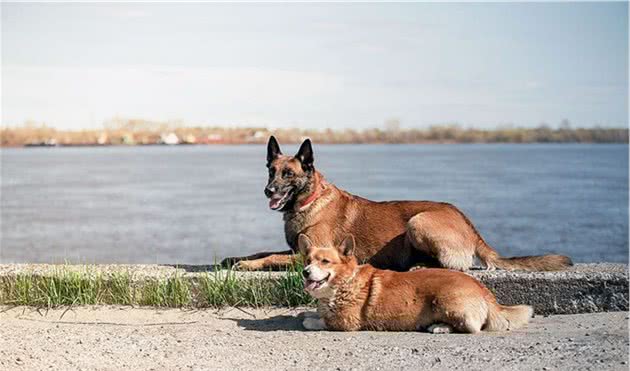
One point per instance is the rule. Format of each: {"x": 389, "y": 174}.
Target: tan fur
{"x": 361, "y": 297}
{"x": 393, "y": 235}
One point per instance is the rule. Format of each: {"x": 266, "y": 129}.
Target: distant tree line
{"x": 143, "y": 132}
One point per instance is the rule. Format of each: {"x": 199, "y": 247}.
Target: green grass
{"x": 225, "y": 288}
{"x": 211, "y": 289}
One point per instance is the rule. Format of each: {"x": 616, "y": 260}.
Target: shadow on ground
{"x": 277, "y": 323}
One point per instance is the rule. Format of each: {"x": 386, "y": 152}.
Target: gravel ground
{"x": 133, "y": 338}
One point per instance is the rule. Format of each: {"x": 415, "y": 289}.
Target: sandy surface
{"x": 122, "y": 337}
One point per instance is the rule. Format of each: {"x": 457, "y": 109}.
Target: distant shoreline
{"x": 144, "y": 133}
{"x": 324, "y": 143}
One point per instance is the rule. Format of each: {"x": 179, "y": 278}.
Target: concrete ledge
{"x": 584, "y": 288}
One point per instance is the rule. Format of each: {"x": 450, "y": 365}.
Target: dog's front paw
{"x": 491, "y": 267}
{"x": 248, "y": 265}
{"x": 314, "y": 324}
{"x": 440, "y": 328}
{"x": 230, "y": 262}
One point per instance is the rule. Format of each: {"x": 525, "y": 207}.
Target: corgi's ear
{"x": 347, "y": 246}
{"x": 273, "y": 150}
{"x": 304, "y": 244}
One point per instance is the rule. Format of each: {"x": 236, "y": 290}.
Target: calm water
{"x": 196, "y": 204}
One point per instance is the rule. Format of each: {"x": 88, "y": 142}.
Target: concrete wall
{"x": 584, "y": 288}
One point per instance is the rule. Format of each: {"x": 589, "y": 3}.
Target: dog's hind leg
{"x": 465, "y": 314}
{"x": 444, "y": 235}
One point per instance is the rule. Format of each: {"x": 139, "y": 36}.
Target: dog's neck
{"x": 344, "y": 290}
{"x": 319, "y": 186}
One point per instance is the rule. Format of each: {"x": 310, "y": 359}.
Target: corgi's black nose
{"x": 306, "y": 272}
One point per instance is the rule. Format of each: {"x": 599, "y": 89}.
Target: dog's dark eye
{"x": 325, "y": 261}
{"x": 287, "y": 173}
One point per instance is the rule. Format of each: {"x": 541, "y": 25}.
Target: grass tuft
{"x": 225, "y": 288}
{"x": 170, "y": 292}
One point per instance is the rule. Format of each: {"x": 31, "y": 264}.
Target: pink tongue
{"x": 308, "y": 284}
{"x": 274, "y": 202}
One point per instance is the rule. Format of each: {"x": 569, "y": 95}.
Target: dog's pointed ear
{"x": 305, "y": 155}
{"x": 304, "y": 243}
{"x": 347, "y": 246}
{"x": 273, "y": 150}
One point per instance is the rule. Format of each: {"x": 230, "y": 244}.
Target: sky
{"x": 322, "y": 65}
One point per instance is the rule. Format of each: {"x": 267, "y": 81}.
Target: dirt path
{"x": 125, "y": 338}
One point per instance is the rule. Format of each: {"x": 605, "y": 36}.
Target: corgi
{"x": 355, "y": 296}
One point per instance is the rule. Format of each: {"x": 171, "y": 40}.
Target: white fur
{"x": 316, "y": 273}
{"x": 440, "y": 328}
{"x": 458, "y": 260}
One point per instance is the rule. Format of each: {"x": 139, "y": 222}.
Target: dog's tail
{"x": 507, "y": 317}
{"x": 491, "y": 259}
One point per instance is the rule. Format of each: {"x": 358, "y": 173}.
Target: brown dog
{"x": 360, "y": 297}
{"x": 392, "y": 235}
